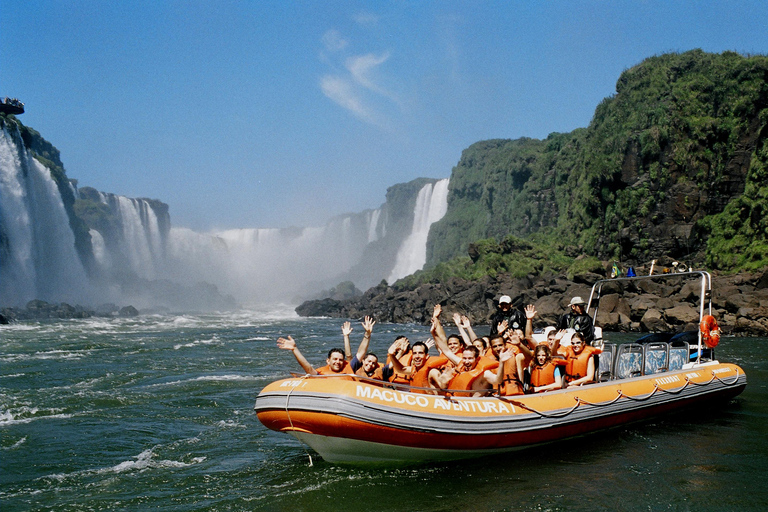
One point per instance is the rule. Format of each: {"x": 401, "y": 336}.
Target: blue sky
{"x": 277, "y": 113}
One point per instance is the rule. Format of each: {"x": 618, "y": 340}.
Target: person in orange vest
{"x": 417, "y": 373}
{"x": 460, "y": 359}
{"x": 335, "y": 363}
{"x": 580, "y": 367}
{"x": 545, "y": 371}
{"x": 364, "y": 363}
{"x": 509, "y": 374}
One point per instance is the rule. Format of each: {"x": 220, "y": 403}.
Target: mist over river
{"x": 156, "y": 413}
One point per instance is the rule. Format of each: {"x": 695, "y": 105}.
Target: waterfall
{"x": 37, "y": 245}
{"x": 431, "y": 205}
{"x": 373, "y": 225}
{"x": 259, "y": 264}
{"x": 133, "y": 238}
{"x": 137, "y": 258}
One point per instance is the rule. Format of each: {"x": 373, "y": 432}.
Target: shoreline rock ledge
{"x": 739, "y": 302}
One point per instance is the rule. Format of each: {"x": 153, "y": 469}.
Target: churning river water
{"x": 156, "y": 413}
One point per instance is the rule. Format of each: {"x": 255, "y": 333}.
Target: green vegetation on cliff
{"x": 674, "y": 164}
{"x": 514, "y": 256}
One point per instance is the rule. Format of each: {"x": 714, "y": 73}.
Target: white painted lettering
{"x": 442, "y": 404}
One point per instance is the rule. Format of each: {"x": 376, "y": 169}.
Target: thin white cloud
{"x": 333, "y": 41}
{"x": 357, "y": 88}
{"x": 343, "y": 93}
{"x": 366, "y": 19}
{"x": 361, "y": 68}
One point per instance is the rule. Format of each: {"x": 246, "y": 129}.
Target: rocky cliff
{"x": 740, "y": 302}
{"x": 673, "y": 164}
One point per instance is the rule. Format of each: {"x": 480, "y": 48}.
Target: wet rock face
{"x": 740, "y": 303}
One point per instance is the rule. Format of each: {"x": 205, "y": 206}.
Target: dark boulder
{"x": 128, "y": 311}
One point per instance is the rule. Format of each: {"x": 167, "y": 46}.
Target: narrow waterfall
{"x": 133, "y": 239}
{"x": 431, "y": 205}
{"x": 37, "y": 245}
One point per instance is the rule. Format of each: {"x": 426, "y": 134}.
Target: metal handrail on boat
{"x": 705, "y": 295}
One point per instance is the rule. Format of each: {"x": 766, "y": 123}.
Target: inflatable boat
{"x": 347, "y": 419}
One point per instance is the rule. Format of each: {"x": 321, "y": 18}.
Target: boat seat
{"x": 656, "y": 358}
{"x": 678, "y": 354}
{"x": 629, "y": 361}
{"x": 605, "y": 362}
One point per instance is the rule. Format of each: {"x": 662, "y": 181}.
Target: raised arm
{"x": 530, "y": 313}
{"x": 346, "y": 330}
{"x": 514, "y": 339}
{"x": 468, "y": 327}
{"x": 437, "y": 330}
{"x": 442, "y": 342}
{"x": 558, "y": 336}
{"x": 367, "y": 324}
{"x": 397, "y": 366}
{"x": 464, "y": 334}
{"x": 504, "y": 356}
{"x": 290, "y": 344}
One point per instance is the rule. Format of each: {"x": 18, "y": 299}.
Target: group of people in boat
{"x": 508, "y": 361}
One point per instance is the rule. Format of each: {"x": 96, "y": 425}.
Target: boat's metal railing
{"x": 705, "y": 294}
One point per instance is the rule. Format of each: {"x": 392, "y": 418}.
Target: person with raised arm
{"x": 417, "y": 373}
{"x": 508, "y": 377}
{"x": 465, "y": 329}
{"x": 404, "y": 355}
{"x": 530, "y": 313}
{"x": 364, "y": 363}
{"x": 346, "y": 330}
{"x": 466, "y": 371}
{"x": 335, "y": 363}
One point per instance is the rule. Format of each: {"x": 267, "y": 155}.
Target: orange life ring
{"x": 710, "y": 332}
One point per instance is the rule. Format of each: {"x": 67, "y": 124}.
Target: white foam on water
{"x": 26, "y": 415}
{"x": 208, "y": 378}
{"x": 212, "y": 341}
{"x": 230, "y": 424}
{"x": 142, "y": 462}
{"x": 17, "y": 444}
{"x": 61, "y": 354}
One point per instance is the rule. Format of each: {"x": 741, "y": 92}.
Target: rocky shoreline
{"x": 41, "y": 310}
{"x": 739, "y": 302}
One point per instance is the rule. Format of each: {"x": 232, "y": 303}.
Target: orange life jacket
{"x": 487, "y": 363}
{"x": 326, "y": 370}
{"x": 377, "y": 373}
{"x": 398, "y": 378}
{"x": 419, "y": 379}
{"x": 545, "y": 375}
{"x": 489, "y": 353}
{"x": 577, "y": 365}
{"x": 464, "y": 380}
{"x": 510, "y": 382}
